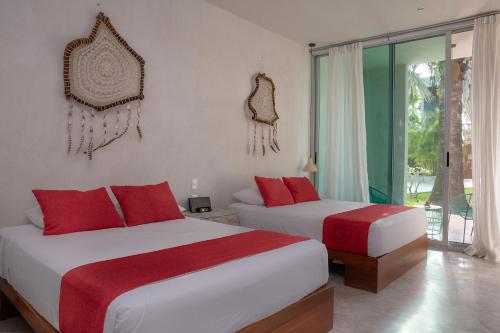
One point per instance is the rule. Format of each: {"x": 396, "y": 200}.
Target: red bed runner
{"x": 87, "y": 291}
{"x": 348, "y": 231}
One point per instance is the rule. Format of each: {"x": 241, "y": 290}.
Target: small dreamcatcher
{"x": 262, "y": 105}
{"x": 102, "y": 75}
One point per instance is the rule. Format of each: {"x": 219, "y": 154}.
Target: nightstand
{"x": 216, "y": 215}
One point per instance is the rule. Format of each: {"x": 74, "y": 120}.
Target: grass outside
{"x": 421, "y": 198}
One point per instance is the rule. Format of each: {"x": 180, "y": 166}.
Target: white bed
{"x": 224, "y": 298}
{"x": 385, "y": 235}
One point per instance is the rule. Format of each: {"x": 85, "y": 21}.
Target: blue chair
{"x": 461, "y": 206}
{"x": 378, "y": 197}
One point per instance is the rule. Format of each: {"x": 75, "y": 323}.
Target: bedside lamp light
{"x": 310, "y": 166}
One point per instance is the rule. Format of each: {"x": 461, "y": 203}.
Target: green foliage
{"x": 422, "y": 198}
{"x": 424, "y": 118}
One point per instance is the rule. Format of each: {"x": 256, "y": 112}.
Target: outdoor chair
{"x": 378, "y": 197}
{"x": 461, "y": 206}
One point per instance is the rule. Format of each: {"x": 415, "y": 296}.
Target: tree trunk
{"x": 437, "y": 193}
{"x": 456, "y": 175}
{"x": 456, "y": 184}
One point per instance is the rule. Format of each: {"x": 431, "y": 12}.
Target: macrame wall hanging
{"x": 103, "y": 76}
{"x": 264, "y": 116}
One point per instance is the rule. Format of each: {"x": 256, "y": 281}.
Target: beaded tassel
{"x": 91, "y": 130}
{"x": 138, "y": 127}
{"x": 248, "y": 137}
{"x": 91, "y": 147}
{"x": 275, "y": 136}
{"x": 129, "y": 115}
{"x": 104, "y": 130}
{"x": 262, "y": 136}
{"x": 117, "y": 133}
{"x": 255, "y": 138}
{"x": 70, "y": 126}
{"x": 82, "y": 130}
{"x": 117, "y": 125}
{"x": 270, "y": 140}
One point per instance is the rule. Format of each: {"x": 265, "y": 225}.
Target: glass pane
{"x": 419, "y": 128}
{"x": 460, "y": 189}
{"x": 322, "y": 100}
{"x": 377, "y": 77}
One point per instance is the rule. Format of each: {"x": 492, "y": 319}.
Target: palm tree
{"x": 418, "y": 162}
{"x": 456, "y": 173}
{"x": 456, "y": 183}
{"x": 417, "y": 85}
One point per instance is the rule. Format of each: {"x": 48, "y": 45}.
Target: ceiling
{"x": 330, "y": 21}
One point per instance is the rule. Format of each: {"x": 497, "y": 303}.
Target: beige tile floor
{"x": 450, "y": 293}
{"x": 456, "y": 230}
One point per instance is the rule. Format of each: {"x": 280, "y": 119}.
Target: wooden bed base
{"x": 313, "y": 313}
{"x": 374, "y": 274}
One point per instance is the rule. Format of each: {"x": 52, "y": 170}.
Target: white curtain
{"x": 346, "y": 167}
{"x": 486, "y": 138}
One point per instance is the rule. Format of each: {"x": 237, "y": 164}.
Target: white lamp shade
{"x": 310, "y": 166}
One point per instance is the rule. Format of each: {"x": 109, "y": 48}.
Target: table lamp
{"x": 310, "y": 166}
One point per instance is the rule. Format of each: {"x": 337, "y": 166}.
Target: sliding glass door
{"x": 378, "y": 86}
{"x": 420, "y": 131}
{"x": 417, "y": 115}
{"x": 405, "y": 126}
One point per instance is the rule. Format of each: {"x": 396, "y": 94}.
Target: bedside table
{"x": 216, "y": 215}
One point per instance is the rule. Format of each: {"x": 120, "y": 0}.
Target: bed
{"x": 395, "y": 243}
{"x": 286, "y": 287}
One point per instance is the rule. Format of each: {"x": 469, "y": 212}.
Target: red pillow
{"x": 147, "y": 203}
{"x": 301, "y": 188}
{"x": 66, "y": 211}
{"x": 274, "y": 192}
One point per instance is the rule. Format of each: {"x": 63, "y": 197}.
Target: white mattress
{"x": 224, "y": 298}
{"x": 385, "y": 235}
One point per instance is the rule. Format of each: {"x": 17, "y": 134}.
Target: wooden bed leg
{"x": 7, "y": 309}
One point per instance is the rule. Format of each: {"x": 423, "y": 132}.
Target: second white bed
{"x": 385, "y": 235}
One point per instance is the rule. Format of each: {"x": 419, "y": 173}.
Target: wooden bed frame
{"x": 313, "y": 313}
{"x": 375, "y": 273}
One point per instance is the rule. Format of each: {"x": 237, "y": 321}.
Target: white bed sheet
{"x": 224, "y": 298}
{"x": 385, "y": 235}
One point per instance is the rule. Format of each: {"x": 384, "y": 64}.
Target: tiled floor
{"x": 456, "y": 230}
{"x": 450, "y": 293}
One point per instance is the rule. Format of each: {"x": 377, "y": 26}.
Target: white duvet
{"x": 224, "y": 298}
{"x": 384, "y": 236}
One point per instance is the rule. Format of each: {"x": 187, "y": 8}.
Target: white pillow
{"x": 35, "y": 215}
{"x": 250, "y": 196}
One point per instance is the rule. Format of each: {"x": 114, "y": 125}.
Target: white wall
{"x": 199, "y": 61}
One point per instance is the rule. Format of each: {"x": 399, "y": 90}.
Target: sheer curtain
{"x": 346, "y": 164}
{"x": 486, "y": 138}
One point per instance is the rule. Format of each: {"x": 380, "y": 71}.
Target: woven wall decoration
{"x": 103, "y": 75}
{"x": 261, "y": 103}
